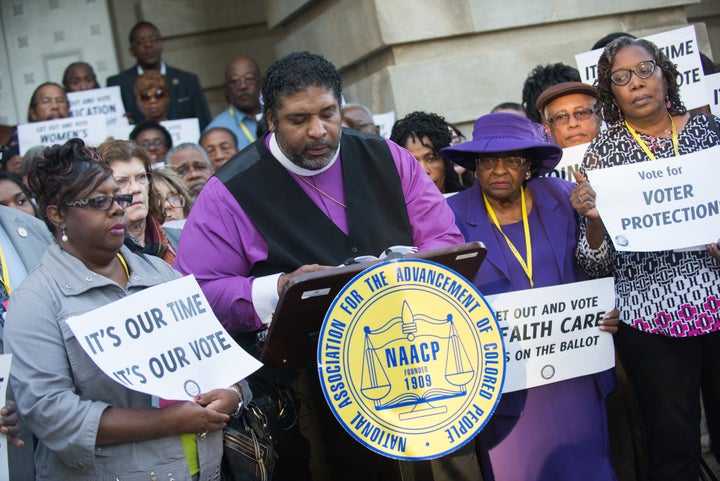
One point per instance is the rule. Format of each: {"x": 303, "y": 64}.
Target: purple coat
{"x": 558, "y": 431}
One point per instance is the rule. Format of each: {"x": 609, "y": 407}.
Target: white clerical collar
{"x": 294, "y": 168}
{"x": 163, "y": 69}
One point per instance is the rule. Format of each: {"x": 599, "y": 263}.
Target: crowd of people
{"x": 290, "y": 179}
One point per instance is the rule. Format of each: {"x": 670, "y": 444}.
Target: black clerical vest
{"x": 296, "y": 230}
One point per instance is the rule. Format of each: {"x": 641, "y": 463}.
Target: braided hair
{"x": 418, "y": 125}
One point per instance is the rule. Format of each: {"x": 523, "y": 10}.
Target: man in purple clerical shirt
{"x": 306, "y": 197}
{"x": 221, "y": 242}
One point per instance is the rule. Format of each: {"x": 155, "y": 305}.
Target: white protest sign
{"x": 385, "y": 122}
{"x": 663, "y": 204}
{"x": 5, "y": 361}
{"x": 551, "y": 333}
{"x": 105, "y": 101}
{"x": 571, "y": 161}
{"x": 92, "y": 130}
{"x": 681, "y": 47}
{"x": 712, "y": 84}
{"x": 164, "y": 341}
{"x": 183, "y": 130}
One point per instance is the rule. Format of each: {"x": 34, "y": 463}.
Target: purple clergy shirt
{"x": 220, "y": 245}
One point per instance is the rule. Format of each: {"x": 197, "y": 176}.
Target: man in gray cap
{"x": 569, "y": 113}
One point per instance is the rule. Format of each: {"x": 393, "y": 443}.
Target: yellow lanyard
{"x": 526, "y": 265}
{"x": 124, "y": 264}
{"x": 242, "y": 125}
{"x": 644, "y": 145}
{"x": 5, "y": 274}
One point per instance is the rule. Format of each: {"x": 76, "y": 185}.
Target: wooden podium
{"x": 292, "y": 336}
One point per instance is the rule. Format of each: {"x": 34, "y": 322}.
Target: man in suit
{"x": 187, "y": 99}
{"x": 23, "y": 240}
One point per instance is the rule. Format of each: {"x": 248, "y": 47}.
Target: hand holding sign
{"x": 582, "y": 197}
{"x": 9, "y": 424}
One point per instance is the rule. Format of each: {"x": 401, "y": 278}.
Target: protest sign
{"x": 164, "y": 341}
{"x": 181, "y": 130}
{"x": 571, "y": 161}
{"x": 5, "y": 361}
{"x": 385, "y": 122}
{"x": 663, "y": 204}
{"x": 551, "y": 333}
{"x": 105, "y": 101}
{"x": 92, "y": 130}
{"x": 681, "y": 48}
{"x": 712, "y": 84}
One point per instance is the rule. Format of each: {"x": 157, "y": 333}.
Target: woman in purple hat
{"x": 557, "y": 431}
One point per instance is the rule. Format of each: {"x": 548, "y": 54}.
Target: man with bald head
{"x": 242, "y": 91}
{"x": 359, "y": 117}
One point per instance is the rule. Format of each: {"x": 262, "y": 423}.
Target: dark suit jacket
{"x": 187, "y": 99}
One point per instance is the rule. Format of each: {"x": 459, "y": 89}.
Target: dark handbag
{"x": 248, "y": 447}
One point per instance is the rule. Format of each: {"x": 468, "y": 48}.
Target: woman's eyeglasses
{"x": 564, "y": 118}
{"x": 102, "y": 202}
{"x": 513, "y": 162}
{"x": 140, "y": 179}
{"x": 153, "y": 143}
{"x": 157, "y": 95}
{"x": 175, "y": 200}
{"x": 622, "y": 76}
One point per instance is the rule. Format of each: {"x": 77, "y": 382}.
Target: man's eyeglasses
{"x": 141, "y": 41}
{"x": 102, "y": 202}
{"x": 564, "y": 118}
{"x": 157, "y": 95}
{"x": 622, "y": 76}
{"x": 239, "y": 82}
{"x": 47, "y": 101}
{"x": 140, "y": 179}
{"x": 153, "y": 143}
{"x": 512, "y": 162}
{"x": 175, "y": 200}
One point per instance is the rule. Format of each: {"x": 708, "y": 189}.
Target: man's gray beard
{"x": 310, "y": 164}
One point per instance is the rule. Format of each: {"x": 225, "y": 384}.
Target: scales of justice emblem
{"x": 424, "y": 340}
{"x": 411, "y": 359}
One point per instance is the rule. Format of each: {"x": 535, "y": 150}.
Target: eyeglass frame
{"x": 158, "y": 94}
{"x": 633, "y": 71}
{"x": 91, "y": 203}
{"x": 162, "y": 199}
{"x": 579, "y": 115}
{"x": 496, "y": 160}
{"x": 153, "y": 143}
{"x": 142, "y": 178}
{"x": 250, "y": 81}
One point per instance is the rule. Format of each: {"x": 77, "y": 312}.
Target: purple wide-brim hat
{"x": 504, "y": 132}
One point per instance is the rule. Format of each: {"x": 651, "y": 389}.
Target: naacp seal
{"x": 411, "y": 359}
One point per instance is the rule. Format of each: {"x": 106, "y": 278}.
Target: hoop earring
{"x": 64, "y": 236}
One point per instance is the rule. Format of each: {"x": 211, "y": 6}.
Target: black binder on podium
{"x": 292, "y": 336}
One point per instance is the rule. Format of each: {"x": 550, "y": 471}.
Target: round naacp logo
{"x": 411, "y": 359}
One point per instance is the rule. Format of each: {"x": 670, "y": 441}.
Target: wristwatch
{"x": 236, "y": 389}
